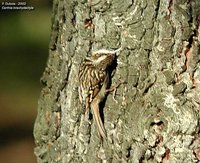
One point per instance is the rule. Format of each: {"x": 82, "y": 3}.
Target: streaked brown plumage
{"x": 94, "y": 80}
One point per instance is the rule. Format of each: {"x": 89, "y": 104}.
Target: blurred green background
{"x": 24, "y": 41}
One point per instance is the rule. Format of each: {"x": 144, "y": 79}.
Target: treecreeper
{"x": 94, "y": 80}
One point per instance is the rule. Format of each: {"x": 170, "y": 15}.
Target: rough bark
{"x": 157, "y": 115}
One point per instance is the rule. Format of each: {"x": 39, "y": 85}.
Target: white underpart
{"x": 105, "y": 51}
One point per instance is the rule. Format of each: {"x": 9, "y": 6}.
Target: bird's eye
{"x": 96, "y": 56}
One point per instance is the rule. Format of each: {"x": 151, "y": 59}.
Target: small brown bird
{"x": 94, "y": 80}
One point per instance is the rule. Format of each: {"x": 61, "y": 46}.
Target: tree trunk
{"x": 156, "y": 116}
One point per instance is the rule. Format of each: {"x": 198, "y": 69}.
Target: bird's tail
{"x": 97, "y": 117}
